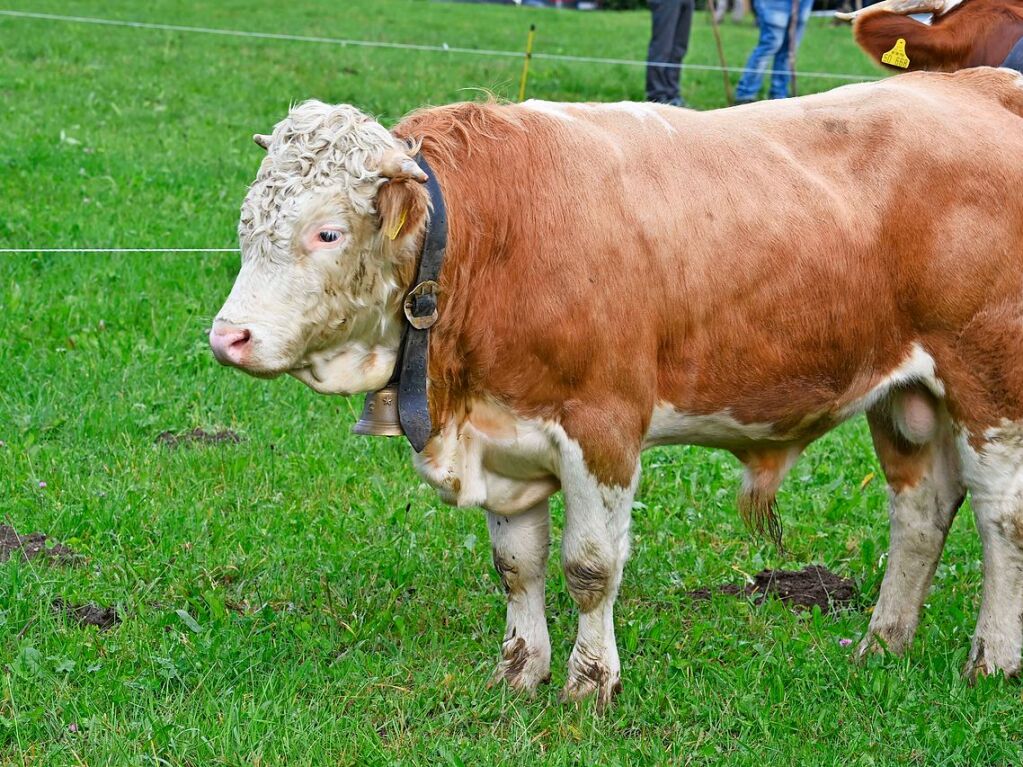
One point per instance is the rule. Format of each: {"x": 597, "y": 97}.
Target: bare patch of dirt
{"x": 89, "y": 614}
{"x": 34, "y": 545}
{"x": 802, "y": 589}
{"x": 198, "y": 437}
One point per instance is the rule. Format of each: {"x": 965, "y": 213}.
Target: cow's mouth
{"x": 307, "y": 374}
{"x": 303, "y": 371}
{"x": 265, "y": 374}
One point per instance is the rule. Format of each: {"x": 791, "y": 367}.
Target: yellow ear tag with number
{"x": 896, "y": 57}
{"x": 392, "y": 233}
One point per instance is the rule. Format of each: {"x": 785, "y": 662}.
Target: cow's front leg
{"x": 520, "y": 544}
{"x": 594, "y": 548}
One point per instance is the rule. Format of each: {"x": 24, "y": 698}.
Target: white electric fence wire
{"x": 345, "y": 42}
{"x": 445, "y": 48}
{"x": 118, "y": 250}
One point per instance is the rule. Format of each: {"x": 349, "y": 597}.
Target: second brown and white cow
{"x": 626, "y": 275}
{"x": 961, "y": 33}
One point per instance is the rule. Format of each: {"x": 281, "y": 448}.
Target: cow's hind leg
{"x": 994, "y": 474}
{"x": 594, "y": 548}
{"x": 915, "y": 444}
{"x": 520, "y": 545}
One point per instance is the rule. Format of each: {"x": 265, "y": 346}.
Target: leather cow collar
{"x": 408, "y": 380}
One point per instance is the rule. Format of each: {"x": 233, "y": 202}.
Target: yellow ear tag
{"x": 392, "y": 233}
{"x": 896, "y": 57}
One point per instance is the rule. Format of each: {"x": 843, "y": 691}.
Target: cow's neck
{"x": 408, "y": 384}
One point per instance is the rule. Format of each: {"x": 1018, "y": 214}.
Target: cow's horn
{"x": 399, "y": 167}
{"x": 262, "y": 139}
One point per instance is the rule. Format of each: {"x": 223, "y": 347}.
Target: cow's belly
{"x": 671, "y": 426}
{"x": 490, "y": 458}
{"x": 671, "y": 423}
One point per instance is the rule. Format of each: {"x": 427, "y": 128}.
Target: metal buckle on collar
{"x": 421, "y": 305}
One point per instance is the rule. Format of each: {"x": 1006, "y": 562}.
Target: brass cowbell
{"x": 380, "y": 414}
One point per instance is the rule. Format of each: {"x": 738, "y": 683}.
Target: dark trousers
{"x": 1015, "y": 58}
{"x": 669, "y": 39}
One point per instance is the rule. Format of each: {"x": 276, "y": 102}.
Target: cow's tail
{"x": 934, "y": 48}
{"x": 759, "y": 512}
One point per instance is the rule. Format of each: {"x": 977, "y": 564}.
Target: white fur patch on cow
{"x": 669, "y": 426}
{"x": 348, "y": 370}
{"x": 520, "y": 544}
{"x": 594, "y": 548}
{"x": 639, "y": 111}
{"x": 918, "y": 367}
{"x": 552, "y": 108}
{"x": 493, "y": 459}
{"x": 994, "y": 474}
{"x": 999, "y": 461}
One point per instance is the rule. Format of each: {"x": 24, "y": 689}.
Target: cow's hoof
{"x": 987, "y": 660}
{"x": 867, "y": 647}
{"x": 588, "y": 677}
{"x": 521, "y": 667}
{"x": 880, "y": 640}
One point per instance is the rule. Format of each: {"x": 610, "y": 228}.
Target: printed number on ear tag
{"x": 896, "y": 57}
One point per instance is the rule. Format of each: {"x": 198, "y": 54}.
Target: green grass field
{"x": 301, "y": 597}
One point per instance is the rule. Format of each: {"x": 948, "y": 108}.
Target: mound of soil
{"x": 34, "y": 545}
{"x": 198, "y": 437}
{"x": 802, "y": 589}
{"x": 88, "y": 614}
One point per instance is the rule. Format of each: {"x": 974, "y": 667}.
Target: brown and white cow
{"x": 961, "y": 34}
{"x": 626, "y": 275}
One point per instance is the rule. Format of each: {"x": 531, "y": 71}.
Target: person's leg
{"x": 1015, "y": 58}
{"x": 780, "y": 66}
{"x": 661, "y": 80}
{"x": 680, "y": 45}
{"x": 720, "y": 8}
{"x": 772, "y": 16}
{"x": 784, "y": 59}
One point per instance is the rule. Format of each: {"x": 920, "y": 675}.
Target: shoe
{"x": 737, "y": 102}
{"x": 678, "y": 101}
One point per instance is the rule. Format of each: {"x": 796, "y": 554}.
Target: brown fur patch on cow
{"x": 700, "y": 306}
{"x": 516, "y": 653}
{"x": 587, "y": 581}
{"x": 504, "y": 571}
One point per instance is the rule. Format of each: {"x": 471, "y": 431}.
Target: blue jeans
{"x": 1015, "y": 58}
{"x": 774, "y": 18}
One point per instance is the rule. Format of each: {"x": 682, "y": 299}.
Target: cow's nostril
{"x": 230, "y": 343}
{"x": 241, "y": 339}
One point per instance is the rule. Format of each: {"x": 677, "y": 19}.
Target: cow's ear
{"x": 401, "y": 206}
{"x": 398, "y": 166}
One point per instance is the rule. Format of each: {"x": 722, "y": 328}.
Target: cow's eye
{"x": 329, "y": 235}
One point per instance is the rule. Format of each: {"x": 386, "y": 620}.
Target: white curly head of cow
{"x": 328, "y": 232}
